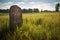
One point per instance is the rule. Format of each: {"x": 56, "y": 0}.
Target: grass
{"x": 40, "y": 26}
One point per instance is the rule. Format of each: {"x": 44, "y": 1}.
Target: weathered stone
{"x": 15, "y": 15}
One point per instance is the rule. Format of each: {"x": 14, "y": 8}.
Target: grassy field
{"x": 36, "y": 26}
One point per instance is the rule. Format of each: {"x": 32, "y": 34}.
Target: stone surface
{"x": 15, "y": 15}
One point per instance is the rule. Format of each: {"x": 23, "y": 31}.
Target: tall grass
{"x": 44, "y": 26}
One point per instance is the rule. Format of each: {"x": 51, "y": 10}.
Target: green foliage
{"x": 44, "y": 26}
{"x": 23, "y": 10}
{"x": 36, "y": 10}
{"x": 57, "y": 6}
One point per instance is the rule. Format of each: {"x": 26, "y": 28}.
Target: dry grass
{"x": 40, "y": 26}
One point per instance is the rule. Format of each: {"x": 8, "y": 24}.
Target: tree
{"x": 36, "y": 10}
{"x": 4, "y": 10}
{"x": 24, "y": 10}
{"x": 30, "y": 10}
{"x": 57, "y": 6}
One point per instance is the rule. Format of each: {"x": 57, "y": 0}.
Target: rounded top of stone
{"x": 14, "y": 6}
{"x": 15, "y": 9}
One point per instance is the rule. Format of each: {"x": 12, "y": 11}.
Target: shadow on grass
{"x": 4, "y": 33}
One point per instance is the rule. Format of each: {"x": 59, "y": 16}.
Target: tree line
{"x": 23, "y": 10}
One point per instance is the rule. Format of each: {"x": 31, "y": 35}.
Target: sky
{"x": 40, "y": 4}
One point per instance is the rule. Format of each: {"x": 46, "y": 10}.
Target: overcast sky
{"x": 40, "y": 4}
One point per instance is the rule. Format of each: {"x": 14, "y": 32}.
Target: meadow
{"x": 36, "y": 26}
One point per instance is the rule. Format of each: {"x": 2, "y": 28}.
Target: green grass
{"x": 40, "y": 26}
